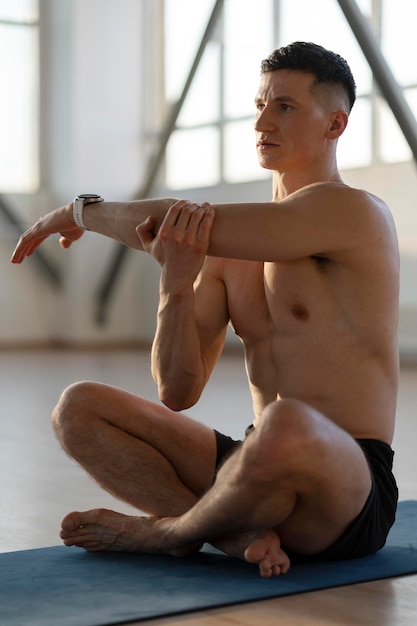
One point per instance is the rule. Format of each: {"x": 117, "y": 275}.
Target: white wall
{"x": 95, "y": 57}
{"x": 397, "y": 185}
{"x": 92, "y": 110}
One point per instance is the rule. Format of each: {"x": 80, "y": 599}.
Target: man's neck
{"x": 284, "y": 184}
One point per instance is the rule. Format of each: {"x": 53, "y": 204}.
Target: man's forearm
{"x": 119, "y": 220}
{"x": 239, "y": 230}
{"x": 176, "y": 353}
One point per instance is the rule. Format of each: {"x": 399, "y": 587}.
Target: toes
{"x": 276, "y": 570}
{"x": 285, "y": 565}
{"x": 75, "y": 524}
{"x": 71, "y": 522}
{"x": 265, "y": 569}
{"x": 268, "y": 568}
{"x": 255, "y": 551}
{"x": 75, "y": 520}
{"x": 94, "y": 530}
{"x": 267, "y": 553}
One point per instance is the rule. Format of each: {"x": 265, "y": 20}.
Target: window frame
{"x": 373, "y": 97}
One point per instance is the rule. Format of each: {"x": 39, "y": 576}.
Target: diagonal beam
{"x": 48, "y": 268}
{"x": 384, "y": 77}
{"x": 106, "y": 289}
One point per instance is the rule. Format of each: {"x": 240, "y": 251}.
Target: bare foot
{"x": 263, "y": 548}
{"x": 266, "y": 551}
{"x": 103, "y": 530}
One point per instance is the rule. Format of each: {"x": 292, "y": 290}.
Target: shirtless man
{"x": 309, "y": 282}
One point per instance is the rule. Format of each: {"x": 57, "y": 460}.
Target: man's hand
{"x": 58, "y": 221}
{"x": 181, "y": 244}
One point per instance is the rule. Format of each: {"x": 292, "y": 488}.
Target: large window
{"x": 214, "y": 140}
{"x": 19, "y": 96}
{"x": 397, "y": 27}
{"x": 217, "y": 120}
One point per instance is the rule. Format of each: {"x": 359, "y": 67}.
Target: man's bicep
{"x": 316, "y": 220}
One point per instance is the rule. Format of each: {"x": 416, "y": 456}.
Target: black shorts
{"x": 368, "y": 532}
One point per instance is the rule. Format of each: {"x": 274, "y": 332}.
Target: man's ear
{"x": 338, "y": 122}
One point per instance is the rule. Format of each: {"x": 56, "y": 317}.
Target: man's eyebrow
{"x": 277, "y": 99}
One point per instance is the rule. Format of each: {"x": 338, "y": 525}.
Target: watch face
{"x": 87, "y": 196}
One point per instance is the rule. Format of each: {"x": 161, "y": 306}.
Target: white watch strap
{"x": 77, "y": 212}
{"x": 78, "y": 207}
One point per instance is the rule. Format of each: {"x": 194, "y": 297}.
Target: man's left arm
{"x": 317, "y": 219}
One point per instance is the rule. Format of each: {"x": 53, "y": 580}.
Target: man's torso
{"x": 321, "y": 331}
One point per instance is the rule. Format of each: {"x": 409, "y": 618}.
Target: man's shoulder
{"x": 330, "y": 188}
{"x": 337, "y": 196}
{"x": 344, "y": 219}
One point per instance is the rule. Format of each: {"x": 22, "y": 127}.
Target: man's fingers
{"x": 64, "y": 242}
{"x": 145, "y": 231}
{"x": 206, "y": 222}
{"x": 174, "y": 213}
{"x": 25, "y": 248}
{"x": 191, "y": 219}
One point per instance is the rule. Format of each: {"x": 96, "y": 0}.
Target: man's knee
{"x": 69, "y": 414}
{"x": 289, "y": 423}
{"x": 289, "y": 435}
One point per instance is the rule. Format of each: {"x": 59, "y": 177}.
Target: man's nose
{"x": 264, "y": 121}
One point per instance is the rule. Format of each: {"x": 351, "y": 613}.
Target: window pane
{"x": 182, "y": 41}
{"x": 355, "y": 145}
{"x": 398, "y": 38}
{"x": 365, "y": 6}
{"x": 304, "y": 20}
{"x": 202, "y": 103}
{"x": 248, "y": 38}
{"x": 18, "y": 10}
{"x": 394, "y": 146}
{"x": 192, "y": 158}
{"x": 18, "y": 109}
{"x": 240, "y": 158}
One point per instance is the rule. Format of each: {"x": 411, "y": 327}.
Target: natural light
{"x": 19, "y": 102}
{"x": 218, "y": 112}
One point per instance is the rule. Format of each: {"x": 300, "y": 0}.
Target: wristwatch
{"x": 78, "y": 206}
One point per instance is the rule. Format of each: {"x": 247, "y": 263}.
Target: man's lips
{"x": 266, "y": 145}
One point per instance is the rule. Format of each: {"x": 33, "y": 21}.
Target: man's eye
{"x": 285, "y": 107}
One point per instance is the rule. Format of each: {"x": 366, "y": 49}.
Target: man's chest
{"x": 269, "y": 299}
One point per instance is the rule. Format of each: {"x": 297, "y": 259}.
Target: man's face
{"x": 291, "y": 121}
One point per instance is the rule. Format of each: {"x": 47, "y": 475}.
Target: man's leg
{"x": 155, "y": 459}
{"x": 297, "y": 473}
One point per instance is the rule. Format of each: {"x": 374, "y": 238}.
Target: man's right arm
{"x": 191, "y": 327}
{"x": 192, "y": 313}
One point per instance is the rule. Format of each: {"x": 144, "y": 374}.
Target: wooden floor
{"x": 39, "y": 484}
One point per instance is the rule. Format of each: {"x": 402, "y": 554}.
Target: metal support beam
{"x": 385, "y": 79}
{"x": 154, "y": 165}
{"x": 48, "y": 269}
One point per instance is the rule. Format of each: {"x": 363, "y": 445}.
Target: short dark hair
{"x": 327, "y": 67}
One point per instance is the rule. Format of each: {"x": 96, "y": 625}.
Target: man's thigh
{"x": 188, "y": 445}
{"x": 335, "y": 496}
{"x": 326, "y": 473}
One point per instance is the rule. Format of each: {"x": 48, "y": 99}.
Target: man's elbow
{"x": 177, "y": 401}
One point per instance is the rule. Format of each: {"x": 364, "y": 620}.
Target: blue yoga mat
{"x": 69, "y": 587}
